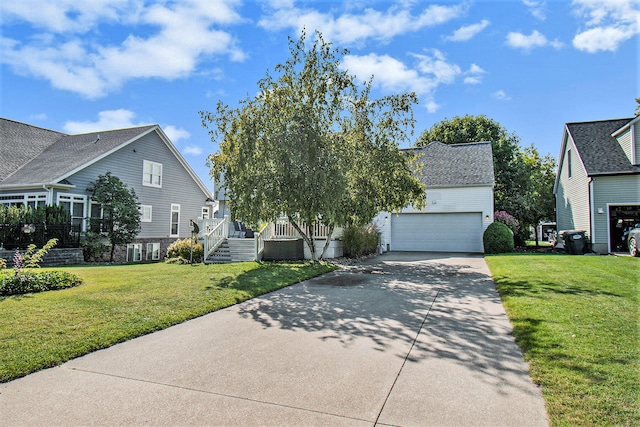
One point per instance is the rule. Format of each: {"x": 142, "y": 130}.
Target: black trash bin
{"x": 575, "y": 242}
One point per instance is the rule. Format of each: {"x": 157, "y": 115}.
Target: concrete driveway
{"x": 403, "y": 339}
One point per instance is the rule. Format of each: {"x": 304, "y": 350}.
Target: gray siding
{"x": 572, "y": 197}
{"x": 635, "y": 129}
{"x": 612, "y": 190}
{"x": 177, "y": 184}
{"x": 625, "y": 141}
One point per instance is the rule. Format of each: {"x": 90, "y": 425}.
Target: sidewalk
{"x": 405, "y": 339}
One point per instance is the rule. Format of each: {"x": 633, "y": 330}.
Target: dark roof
{"x": 455, "y": 165}
{"x": 62, "y": 156}
{"x": 600, "y": 152}
{"x": 20, "y": 143}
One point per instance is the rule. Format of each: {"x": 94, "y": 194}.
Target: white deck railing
{"x": 214, "y": 237}
{"x": 284, "y": 230}
{"x": 267, "y": 233}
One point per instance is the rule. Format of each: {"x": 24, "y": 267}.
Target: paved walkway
{"x": 404, "y": 339}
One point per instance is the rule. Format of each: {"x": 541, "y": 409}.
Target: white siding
{"x": 572, "y": 196}
{"x": 476, "y": 200}
{"x": 611, "y": 190}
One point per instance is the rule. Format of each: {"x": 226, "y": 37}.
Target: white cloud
{"x": 609, "y": 23}
{"x": 467, "y": 32}
{"x": 162, "y": 48}
{"x": 107, "y": 120}
{"x": 429, "y": 71}
{"x": 501, "y": 96}
{"x": 474, "y": 75}
{"x": 41, "y": 116}
{"x": 526, "y": 43}
{"x": 192, "y": 150}
{"x": 537, "y": 9}
{"x": 350, "y": 28}
{"x": 175, "y": 134}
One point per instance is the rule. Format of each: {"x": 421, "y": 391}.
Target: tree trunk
{"x": 305, "y": 237}
{"x": 326, "y": 244}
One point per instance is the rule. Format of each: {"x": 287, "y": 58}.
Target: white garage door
{"x": 451, "y": 232}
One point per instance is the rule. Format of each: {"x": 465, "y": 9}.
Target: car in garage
{"x": 633, "y": 240}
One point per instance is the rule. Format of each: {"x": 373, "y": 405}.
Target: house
{"x": 44, "y": 167}
{"x": 597, "y": 185}
{"x": 459, "y": 181}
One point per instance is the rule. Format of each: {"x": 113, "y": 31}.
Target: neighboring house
{"x": 459, "y": 181}
{"x": 44, "y": 167}
{"x": 597, "y": 186}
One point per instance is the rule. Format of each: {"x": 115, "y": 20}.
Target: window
{"x": 33, "y": 200}
{"x": 175, "y": 220}
{"x": 153, "y": 251}
{"x": 76, "y": 206}
{"x": 205, "y": 212}
{"x": 145, "y": 213}
{"x": 134, "y": 252}
{"x": 151, "y": 174}
{"x": 569, "y": 163}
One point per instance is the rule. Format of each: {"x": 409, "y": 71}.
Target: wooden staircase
{"x": 233, "y": 250}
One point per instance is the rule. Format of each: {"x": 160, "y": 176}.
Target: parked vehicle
{"x": 633, "y": 240}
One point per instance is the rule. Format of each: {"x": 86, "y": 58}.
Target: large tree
{"x": 507, "y": 162}
{"x": 313, "y": 145}
{"x": 120, "y": 221}
{"x": 536, "y": 202}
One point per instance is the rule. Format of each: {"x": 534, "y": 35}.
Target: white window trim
{"x": 75, "y": 198}
{"x": 143, "y": 210}
{"x": 174, "y": 208}
{"x": 134, "y": 246}
{"x": 206, "y": 212}
{"x": 148, "y": 163}
{"x": 155, "y": 251}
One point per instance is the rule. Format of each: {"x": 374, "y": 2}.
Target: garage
{"x": 437, "y": 232}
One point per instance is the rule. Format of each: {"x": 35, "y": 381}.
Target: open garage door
{"x": 437, "y": 232}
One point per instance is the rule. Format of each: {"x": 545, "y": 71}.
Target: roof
{"x": 34, "y": 156}
{"x": 599, "y": 151}
{"x": 455, "y": 165}
{"x": 20, "y": 142}
{"x": 70, "y": 152}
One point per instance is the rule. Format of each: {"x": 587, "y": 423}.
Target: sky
{"x": 79, "y": 66}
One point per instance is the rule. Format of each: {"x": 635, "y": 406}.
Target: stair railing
{"x": 215, "y": 237}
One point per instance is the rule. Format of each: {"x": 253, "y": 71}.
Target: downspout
{"x": 50, "y": 196}
{"x": 592, "y": 224}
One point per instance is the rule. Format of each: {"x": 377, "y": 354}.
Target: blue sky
{"x": 84, "y": 65}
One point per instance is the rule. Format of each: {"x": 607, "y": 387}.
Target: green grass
{"x": 117, "y": 303}
{"x": 576, "y": 319}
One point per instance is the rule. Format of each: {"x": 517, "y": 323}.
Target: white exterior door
{"x": 437, "y": 232}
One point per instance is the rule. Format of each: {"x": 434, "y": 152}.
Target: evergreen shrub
{"x": 497, "y": 239}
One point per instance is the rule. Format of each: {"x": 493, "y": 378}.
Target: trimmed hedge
{"x": 31, "y": 281}
{"x": 498, "y": 239}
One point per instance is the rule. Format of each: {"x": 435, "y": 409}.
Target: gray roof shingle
{"x": 19, "y": 143}
{"x": 600, "y": 152}
{"x": 455, "y": 165}
{"x": 65, "y": 154}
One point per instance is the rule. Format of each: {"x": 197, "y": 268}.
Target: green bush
{"x": 92, "y": 246}
{"x": 497, "y": 239}
{"x": 29, "y": 281}
{"x": 360, "y": 241}
{"x": 182, "y": 249}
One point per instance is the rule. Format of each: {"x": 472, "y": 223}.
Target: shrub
{"x": 92, "y": 246}
{"x": 497, "y": 239}
{"x": 507, "y": 219}
{"x": 182, "y": 249}
{"x": 29, "y": 281}
{"x": 360, "y": 241}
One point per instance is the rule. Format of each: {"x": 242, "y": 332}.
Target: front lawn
{"x": 120, "y": 302}
{"x": 576, "y": 320}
